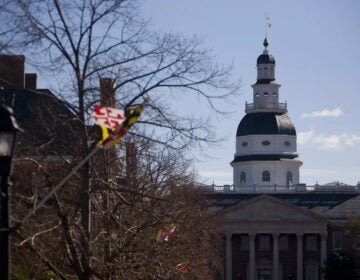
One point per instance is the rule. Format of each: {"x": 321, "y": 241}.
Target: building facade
{"x": 285, "y": 235}
{"x": 274, "y": 226}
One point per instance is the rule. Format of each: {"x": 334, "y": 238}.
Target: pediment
{"x": 267, "y": 208}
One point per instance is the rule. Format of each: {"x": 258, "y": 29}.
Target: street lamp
{"x": 8, "y": 130}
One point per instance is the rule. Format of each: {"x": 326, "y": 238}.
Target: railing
{"x": 275, "y": 105}
{"x": 278, "y": 188}
{"x": 334, "y": 188}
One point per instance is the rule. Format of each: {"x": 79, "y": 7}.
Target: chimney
{"x": 131, "y": 162}
{"x": 12, "y": 71}
{"x": 107, "y": 92}
{"x": 30, "y": 81}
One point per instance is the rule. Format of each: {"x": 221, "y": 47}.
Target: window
{"x": 266, "y": 94}
{"x": 40, "y": 181}
{"x": 257, "y": 94}
{"x": 265, "y": 143}
{"x": 266, "y": 176}
{"x": 337, "y": 240}
{"x": 244, "y": 242}
{"x": 274, "y": 93}
{"x": 244, "y": 144}
{"x": 289, "y": 178}
{"x": 311, "y": 242}
{"x": 41, "y": 185}
{"x": 264, "y": 242}
{"x": 311, "y": 270}
{"x": 357, "y": 242}
{"x": 287, "y": 143}
{"x": 242, "y": 177}
{"x": 283, "y": 242}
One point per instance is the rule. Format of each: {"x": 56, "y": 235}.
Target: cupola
{"x": 266, "y": 149}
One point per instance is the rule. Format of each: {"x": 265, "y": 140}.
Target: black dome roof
{"x": 265, "y": 59}
{"x": 266, "y": 123}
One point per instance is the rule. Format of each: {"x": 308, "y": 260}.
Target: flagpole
{"x": 265, "y": 25}
{"x": 55, "y": 189}
{"x": 107, "y": 143}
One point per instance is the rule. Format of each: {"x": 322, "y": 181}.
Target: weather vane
{"x": 267, "y": 24}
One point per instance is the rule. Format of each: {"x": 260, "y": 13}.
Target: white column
{"x": 275, "y": 256}
{"x": 252, "y": 256}
{"x": 228, "y": 256}
{"x": 299, "y": 256}
{"x": 323, "y": 253}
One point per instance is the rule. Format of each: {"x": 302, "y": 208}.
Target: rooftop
{"x": 339, "y": 205}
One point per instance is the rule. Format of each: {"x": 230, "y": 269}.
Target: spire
{"x": 266, "y": 43}
{"x": 266, "y": 57}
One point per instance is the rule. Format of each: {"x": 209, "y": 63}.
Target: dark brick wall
{"x": 240, "y": 257}
{"x": 12, "y": 71}
{"x": 287, "y": 257}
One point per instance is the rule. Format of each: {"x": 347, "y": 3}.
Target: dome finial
{"x": 266, "y": 43}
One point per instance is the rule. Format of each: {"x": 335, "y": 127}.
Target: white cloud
{"x": 335, "y": 142}
{"x": 337, "y": 112}
{"x": 304, "y": 138}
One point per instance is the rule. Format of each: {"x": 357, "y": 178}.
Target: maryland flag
{"x": 108, "y": 117}
{"x": 116, "y": 122}
{"x": 182, "y": 267}
{"x": 268, "y": 23}
{"x": 166, "y": 233}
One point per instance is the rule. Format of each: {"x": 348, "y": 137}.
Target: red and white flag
{"x": 268, "y": 23}
{"x": 166, "y": 233}
{"x": 108, "y": 117}
{"x": 182, "y": 267}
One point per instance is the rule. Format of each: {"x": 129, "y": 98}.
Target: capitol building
{"x": 275, "y": 227}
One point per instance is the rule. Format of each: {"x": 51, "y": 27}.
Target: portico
{"x": 264, "y": 219}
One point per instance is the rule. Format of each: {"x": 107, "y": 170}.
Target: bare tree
{"x": 84, "y": 40}
{"x": 79, "y": 41}
{"x": 160, "y": 191}
{"x": 5, "y": 30}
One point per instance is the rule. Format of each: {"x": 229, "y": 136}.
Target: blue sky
{"x": 316, "y": 45}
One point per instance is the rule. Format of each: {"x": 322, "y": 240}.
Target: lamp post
{"x": 8, "y": 130}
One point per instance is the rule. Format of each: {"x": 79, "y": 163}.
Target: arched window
{"x": 289, "y": 178}
{"x": 242, "y": 177}
{"x": 266, "y": 176}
